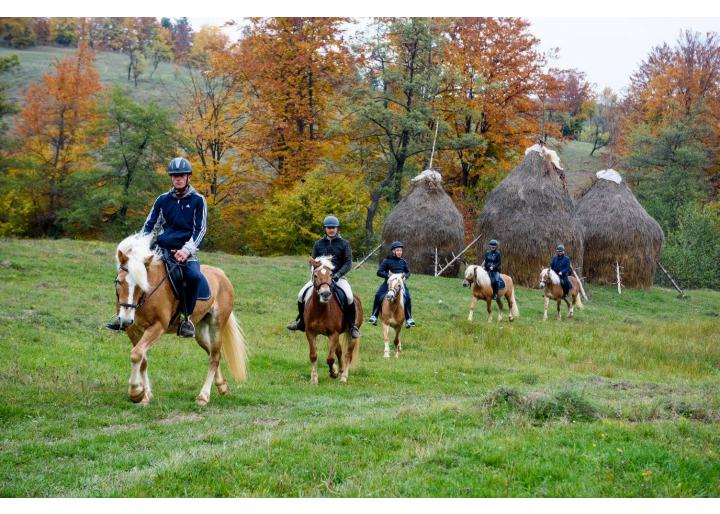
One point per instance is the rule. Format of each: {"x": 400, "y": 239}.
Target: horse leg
{"x": 500, "y": 308}
{"x": 508, "y": 297}
{"x": 386, "y": 338}
{"x": 313, "y": 357}
{"x": 570, "y": 307}
{"x": 135, "y": 334}
{"x": 349, "y": 356}
{"x": 205, "y": 341}
{"x": 489, "y": 309}
{"x": 334, "y": 346}
{"x": 397, "y": 340}
{"x": 547, "y": 304}
{"x": 138, "y": 355}
{"x": 473, "y": 304}
{"x": 211, "y": 335}
{"x": 558, "y": 317}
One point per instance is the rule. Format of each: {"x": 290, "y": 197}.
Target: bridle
{"x": 324, "y": 283}
{"x": 143, "y": 297}
{"x": 396, "y": 289}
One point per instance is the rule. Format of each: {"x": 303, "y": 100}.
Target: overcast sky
{"x": 608, "y": 50}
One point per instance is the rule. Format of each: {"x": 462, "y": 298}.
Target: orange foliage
{"x": 294, "y": 68}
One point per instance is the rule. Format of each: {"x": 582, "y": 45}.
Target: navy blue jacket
{"x": 182, "y": 222}
{"x": 339, "y": 249}
{"x": 492, "y": 261}
{"x": 561, "y": 265}
{"x": 393, "y": 264}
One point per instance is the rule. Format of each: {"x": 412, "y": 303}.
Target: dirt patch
{"x": 268, "y": 422}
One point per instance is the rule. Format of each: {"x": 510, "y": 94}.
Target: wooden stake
{"x": 617, "y": 272}
{"x": 437, "y": 124}
{"x": 436, "y": 261}
{"x": 438, "y": 273}
{"x": 677, "y": 287}
{"x": 367, "y": 257}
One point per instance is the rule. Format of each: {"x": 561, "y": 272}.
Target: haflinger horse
{"x": 552, "y": 290}
{"x": 478, "y": 278}
{"x": 392, "y": 311}
{"x": 323, "y": 315}
{"x": 146, "y": 307}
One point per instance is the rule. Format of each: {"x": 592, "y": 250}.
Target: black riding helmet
{"x": 396, "y": 244}
{"x": 179, "y": 166}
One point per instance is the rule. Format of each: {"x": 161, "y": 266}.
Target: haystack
{"x": 617, "y": 230}
{"x": 529, "y": 213}
{"x": 424, "y": 220}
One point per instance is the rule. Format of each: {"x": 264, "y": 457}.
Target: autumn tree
{"x": 17, "y": 32}
{"x": 63, "y": 31}
{"x": 182, "y": 38}
{"x": 601, "y": 128}
{"x": 136, "y": 38}
{"x": 293, "y": 68}
{"x": 55, "y": 137}
{"x": 495, "y": 75}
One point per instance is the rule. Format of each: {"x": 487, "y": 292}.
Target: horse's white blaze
{"x": 127, "y": 313}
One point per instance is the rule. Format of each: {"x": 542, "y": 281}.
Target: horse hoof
{"x": 223, "y": 389}
{"x": 397, "y": 355}
{"x": 201, "y": 400}
{"x": 386, "y": 355}
{"x": 136, "y": 395}
{"x": 343, "y": 378}
{"x": 314, "y": 380}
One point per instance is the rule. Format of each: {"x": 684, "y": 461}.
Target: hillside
{"x": 621, "y": 401}
{"x": 580, "y": 166}
{"x": 36, "y": 61}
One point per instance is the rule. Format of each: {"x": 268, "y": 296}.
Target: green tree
{"x": 17, "y": 32}
{"x": 140, "y": 140}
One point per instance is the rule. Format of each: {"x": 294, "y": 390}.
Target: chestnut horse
{"x": 323, "y": 315}
{"x": 478, "y": 278}
{"x": 145, "y": 307}
{"x": 392, "y": 311}
{"x": 552, "y": 290}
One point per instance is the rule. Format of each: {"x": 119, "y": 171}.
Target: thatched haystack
{"x": 424, "y": 220}
{"x": 529, "y": 213}
{"x": 617, "y": 230}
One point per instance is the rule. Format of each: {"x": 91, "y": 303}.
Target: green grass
{"x": 36, "y": 61}
{"x": 580, "y": 167}
{"x": 622, "y": 401}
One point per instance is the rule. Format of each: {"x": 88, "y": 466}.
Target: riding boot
{"x": 299, "y": 323}
{"x": 409, "y": 321}
{"x": 495, "y": 290}
{"x": 350, "y": 320}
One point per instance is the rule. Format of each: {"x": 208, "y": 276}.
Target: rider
{"x": 180, "y": 218}
{"x": 492, "y": 265}
{"x": 561, "y": 265}
{"x": 339, "y": 249}
{"x": 394, "y": 263}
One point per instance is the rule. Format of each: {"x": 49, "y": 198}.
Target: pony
{"x": 146, "y": 305}
{"x": 323, "y": 316}
{"x": 477, "y": 278}
{"x": 392, "y": 311}
{"x": 552, "y": 290}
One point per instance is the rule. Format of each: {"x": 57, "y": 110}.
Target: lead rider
{"x": 180, "y": 218}
{"x": 339, "y": 249}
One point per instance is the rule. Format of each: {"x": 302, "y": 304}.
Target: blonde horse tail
{"x": 515, "y": 310}
{"x": 234, "y": 348}
{"x": 578, "y": 302}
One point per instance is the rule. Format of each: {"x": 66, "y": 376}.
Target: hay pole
{"x": 367, "y": 257}
{"x": 677, "y": 287}
{"x": 438, "y": 273}
{"x": 617, "y": 274}
{"x": 582, "y": 289}
{"x": 436, "y": 261}
{"x": 432, "y": 153}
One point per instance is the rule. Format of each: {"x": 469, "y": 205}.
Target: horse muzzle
{"x": 390, "y": 297}
{"x": 466, "y": 283}
{"x": 324, "y": 296}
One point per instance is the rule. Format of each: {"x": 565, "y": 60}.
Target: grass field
{"x": 36, "y": 61}
{"x": 621, "y": 401}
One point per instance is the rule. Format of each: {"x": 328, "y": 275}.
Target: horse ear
{"x": 122, "y": 258}
{"x": 148, "y": 260}
{"x": 312, "y": 262}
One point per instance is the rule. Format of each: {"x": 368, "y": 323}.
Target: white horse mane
{"x": 137, "y": 248}
{"x": 325, "y": 262}
{"x": 481, "y": 278}
{"x": 553, "y": 276}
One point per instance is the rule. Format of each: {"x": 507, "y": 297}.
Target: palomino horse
{"x": 392, "y": 311}
{"x": 323, "y": 315}
{"x": 478, "y": 278}
{"x": 146, "y": 304}
{"x": 550, "y": 282}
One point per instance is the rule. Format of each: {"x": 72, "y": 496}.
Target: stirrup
{"x": 186, "y": 328}
{"x": 373, "y": 320}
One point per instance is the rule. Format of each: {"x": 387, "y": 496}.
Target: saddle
{"x": 176, "y": 278}
{"x": 340, "y": 295}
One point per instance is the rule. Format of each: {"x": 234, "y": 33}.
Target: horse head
{"x": 322, "y": 277}
{"x": 548, "y": 276}
{"x": 133, "y": 260}
{"x": 395, "y": 286}
{"x": 470, "y": 275}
